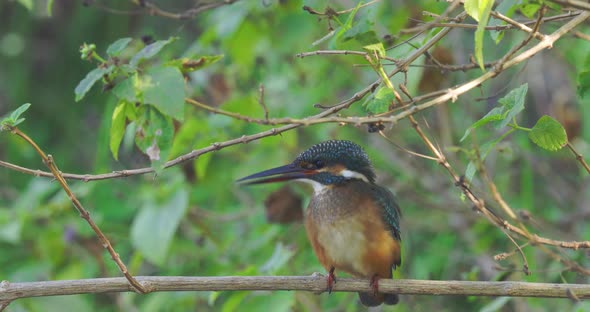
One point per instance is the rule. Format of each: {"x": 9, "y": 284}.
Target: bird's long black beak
{"x": 278, "y": 174}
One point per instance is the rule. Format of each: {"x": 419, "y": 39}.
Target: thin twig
{"x": 329, "y": 12}
{"x": 581, "y": 35}
{"x": 360, "y": 6}
{"x": 48, "y": 161}
{"x": 517, "y": 24}
{"x": 439, "y": 98}
{"x": 505, "y": 255}
{"x": 553, "y": 18}
{"x": 245, "y": 139}
{"x": 153, "y": 9}
{"x": 4, "y": 303}
{"x": 226, "y": 113}
{"x": 574, "y": 4}
{"x": 424, "y": 27}
{"x": 330, "y": 52}
{"x": 579, "y": 157}
{"x": 525, "y": 263}
{"x": 523, "y": 43}
{"x": 492, "y": 186}
{"x": 261, "y": 101}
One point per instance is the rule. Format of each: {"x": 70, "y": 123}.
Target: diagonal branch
{"x": 574, "y": 4}
{"x": 84, "y": 214}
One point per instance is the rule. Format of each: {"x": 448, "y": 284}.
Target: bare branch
{"x": 50, "y": 163}
{"x": 317, "y": 284}
{"x": 579, "y": 157}
{"x": 510, "y": 26}
{"x": 574, "y": 4}
{"x": 517, "y": 25}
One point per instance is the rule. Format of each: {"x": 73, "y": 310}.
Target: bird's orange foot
{"x": 331, "y": 279}
{"x": 375, "y": 284}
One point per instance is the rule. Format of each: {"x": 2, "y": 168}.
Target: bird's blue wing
{"x": 391, "y": 211}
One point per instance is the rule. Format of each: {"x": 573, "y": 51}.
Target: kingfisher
{"x": 351, "y": 222}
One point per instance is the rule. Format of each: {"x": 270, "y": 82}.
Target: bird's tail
{"x": 372, "y": 300}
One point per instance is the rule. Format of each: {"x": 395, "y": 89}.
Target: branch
{"x": 574, "y": 4}
{"x": 84, "y": 214}
{"x": 317, "y": 284}
{"x": 510, "y": 26}
{"x": 291, "y": 124}
{"x": 153, "y": 9}
{"x": 579, "y": 157}
{"x": 518, "y": 25}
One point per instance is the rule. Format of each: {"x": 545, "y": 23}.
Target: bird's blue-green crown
{"x": 333, "y": 153}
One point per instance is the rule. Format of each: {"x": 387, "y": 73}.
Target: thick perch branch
{"x": 12, "y": 291}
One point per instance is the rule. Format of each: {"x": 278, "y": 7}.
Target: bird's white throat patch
{"x": 317, "y": 186}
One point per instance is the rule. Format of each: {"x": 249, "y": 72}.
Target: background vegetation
{"x": 191, "y": 219}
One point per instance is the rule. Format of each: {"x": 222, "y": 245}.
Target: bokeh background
{"x": 193, "y": 219}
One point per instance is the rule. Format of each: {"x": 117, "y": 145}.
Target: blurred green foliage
{"x": 106, "y": 114}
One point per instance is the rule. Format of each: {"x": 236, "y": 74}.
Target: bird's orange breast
{"x": 358, "y": 243}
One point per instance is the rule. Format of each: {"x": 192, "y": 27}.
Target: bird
{"x": 353, "y": 224}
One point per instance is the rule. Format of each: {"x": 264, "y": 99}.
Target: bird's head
{"x": 327, "y": 163}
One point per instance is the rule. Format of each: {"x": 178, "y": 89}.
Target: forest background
{"x": 472, "y": 112}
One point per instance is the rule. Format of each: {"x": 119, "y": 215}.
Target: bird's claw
{"x": 331, "y": 280}
{"x": 375, "y": 284}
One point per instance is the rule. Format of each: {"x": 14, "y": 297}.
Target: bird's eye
{"x": 319, "y": 163}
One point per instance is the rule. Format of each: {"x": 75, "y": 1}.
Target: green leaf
{"x": 376, "y": 48}
{"x": 149, "y": 51}
{"x": 346, "y": 26}
{"x": 470, "y": 171}
{"x": 480, "y": 11}
{"x": 202, "y": 164}
{"x": 279, "y": 258}
{"x": 154, "y": 135}
{"x": 15, "y": 115}
{"x": 118, "y": 46}
{"x": 472, "y": 8}
{"x": 27, "y": 4}
{"x": 125, "y": 90}
{"x": 234, "y": 300}
{"x": 14, "y": 119}
{"x": 193, "y": 63}
{"x": 548, "y": 133}
{"x": 530, "y": 9}
{"x": 163, "y": 87}
{"x": 10, "y": 227}
{"x": 507, "y": 8}
{"x": 496, "y": 304}
{"x": 484, "y": 151}
{"x": 186, "y": 136}
{"x": 494, "y": 115}
{"x": 280, "y": 301}
{"x": 513, "y": 103}
{"x": 118, "y": 128}
{"x": 155, "y": 224}
{"x": 92, "y": 77}
{"x": 362, "y": 32}
{"x": 49, "y": 8}
{"x": 381, "y": 102}
{"x": 583, "y": 83}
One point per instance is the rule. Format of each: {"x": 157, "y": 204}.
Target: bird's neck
{"x": 338, "y": 200}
